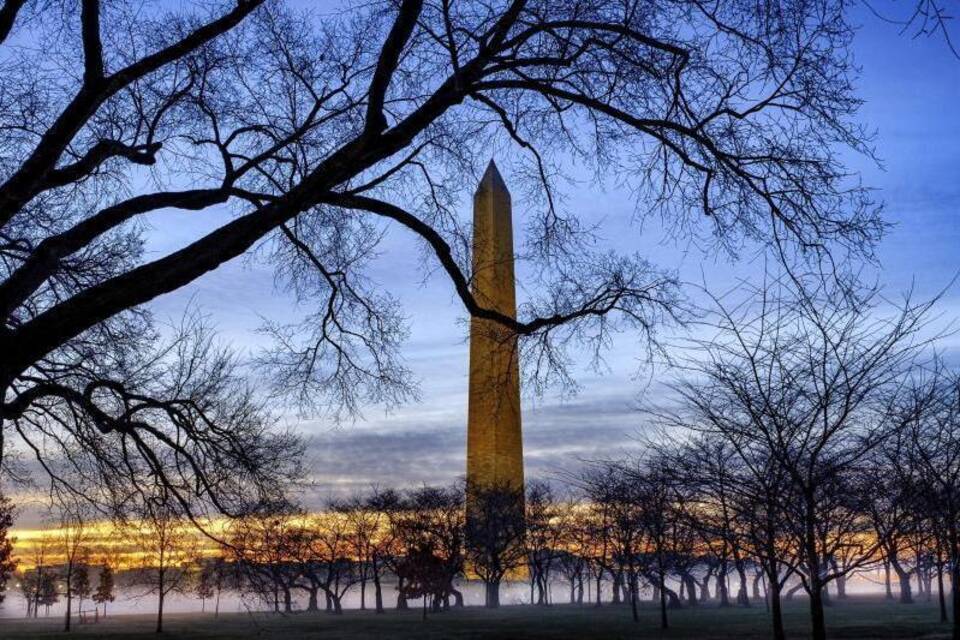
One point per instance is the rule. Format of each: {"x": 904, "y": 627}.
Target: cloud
{"x": 407, "y": 453}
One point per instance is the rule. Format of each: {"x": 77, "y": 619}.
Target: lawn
{"x": 857, "y": 618}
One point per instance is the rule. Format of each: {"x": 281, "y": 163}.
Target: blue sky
{"x": 912, "y": 93}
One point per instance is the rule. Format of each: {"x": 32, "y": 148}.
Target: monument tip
{"x": 492, "y": 179}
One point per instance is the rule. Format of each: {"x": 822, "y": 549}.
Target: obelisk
{"x": 494, "y": 442}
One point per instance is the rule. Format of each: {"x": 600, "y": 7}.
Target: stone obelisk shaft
{"x": 494, "y": 442}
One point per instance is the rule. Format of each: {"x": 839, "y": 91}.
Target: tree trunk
{"x": 363, "y": 594}
{"x": 664, "y": 623}
{"x": 906, "y": 590}
{"x": 492, "y": 594}
{"x": 722, "y": 587}
{"x": 160, "y": 613}
{"x": 793, "y": 590}
{"x": 743, "y": 599}
{"x": 955, "y": 591}
{"x": 687, "y": 580}
{"x": 161, "y": 595}
{"x": 940, "y": 597}
{"x": 377, "y": 593}
{"x": 776, "y": 610}
{"x": 827, "y": 600}
{"x": 886, "y": 579}
{"x": 673, "y": 600}
{"x": 817, "y": 622}
{"x": 617, "y": 587}
{"x": 313, "y": 604}
{"x": 66, "y": 622}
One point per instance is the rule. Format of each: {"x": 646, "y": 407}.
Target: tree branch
{"x": 8, "y": 14}
{"x": 29, "y": 179}
{"x": 387, "y": 64}
{"x": 92, "y": 46}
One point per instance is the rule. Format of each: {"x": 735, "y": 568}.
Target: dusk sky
{"x": 912, "y": 92}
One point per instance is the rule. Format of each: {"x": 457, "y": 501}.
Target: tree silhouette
{"x": 430, "y": 527}
{"x": 80, "y": 584}
{"x": 48, "y": 592}
{"x": 495, "y": 533}
{"x": 73, "y": 536}
{"x": 317, "y": 133}
{"x": 105, "y": 586}
{"x": 7, "y": 563}
{"x": 804, "y": 385}
{"x": 168, "y": 547}
{"x": 205, "y": 587}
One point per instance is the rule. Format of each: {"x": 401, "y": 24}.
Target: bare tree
{"x": 33, "y": 584}
{"x": 606, "y": 484}
{"x": 48, "y": 591}
{"x": 8, "y": 564}
{"x": 81, "y": 583}
{"x": 655, "y": 496}
{"x": 891, "y": 501}
{"x": 367, "y": 519}
{"x": 333, "y": 568}
{"x": 708, "y": 467}
{"x": 807, "y": 384}
{"x": 932, "y": 463}
{"x": 316, "y": 133}
{"x": 29, "y": 585}
{"x": 105, "y": 587}
{"x": 73, "y": 536}
{"x": 431, "y": 528}
{"x": 265, "y": 546}
{"x": 385, "y": 504}
{"x": 495, "y": 533}
{"x": 168, "y": 546}
{"x": 544, "y": 535}
{"x": 573, "y": 553}
{"x": 204, "y": 582}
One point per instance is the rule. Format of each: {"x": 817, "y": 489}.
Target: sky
{"x": 911, "y": 89}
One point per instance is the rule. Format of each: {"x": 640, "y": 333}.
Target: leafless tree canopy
{"x": 804, "y": 396}
{"x": 319, "y": 132}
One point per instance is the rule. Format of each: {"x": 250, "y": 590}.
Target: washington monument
{"x": 494, "y": 442}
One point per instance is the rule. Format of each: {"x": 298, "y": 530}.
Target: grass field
{"x": 856, "y": 618}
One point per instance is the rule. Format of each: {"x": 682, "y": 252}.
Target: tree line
{"x": 802, "y": 443}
